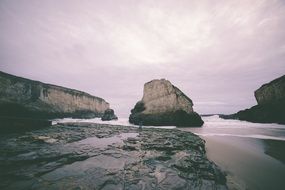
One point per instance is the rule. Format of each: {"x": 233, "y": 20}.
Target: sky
{"x": 216, "y": 52}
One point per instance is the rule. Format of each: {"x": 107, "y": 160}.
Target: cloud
{"x": 216, "y": 52}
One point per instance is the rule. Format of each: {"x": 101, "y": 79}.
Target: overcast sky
{"x": 216, "y": 52}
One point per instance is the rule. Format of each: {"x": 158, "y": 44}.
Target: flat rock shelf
{"x": 96, "y": 156}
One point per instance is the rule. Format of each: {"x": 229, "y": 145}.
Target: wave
{"x": 256, "y": 136}
{"x": 120, "y": 121}
{"x": 216, "y": 122}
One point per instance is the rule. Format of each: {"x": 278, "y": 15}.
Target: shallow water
{"x": 31, "y": 159}
{"x": 247, "y": 165}
{"x": 252, "y": 154}
{"x": 215, "y": 126}
{"x": 105, "y": 142}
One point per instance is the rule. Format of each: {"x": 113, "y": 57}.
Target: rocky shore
{"x": 96, "y": 156}
{"x": 270, "y": 106}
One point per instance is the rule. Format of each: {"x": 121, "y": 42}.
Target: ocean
{"x": 251, "y": 154}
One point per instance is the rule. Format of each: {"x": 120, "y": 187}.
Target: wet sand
{"x": 249, "y": 163}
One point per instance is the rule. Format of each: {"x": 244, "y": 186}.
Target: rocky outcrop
{"x": 271, "y": 93}
{"x": 22, "y": 97}
{"x": 108, "y": 115}
{"x": 164, "y": 104}
{"x": 96, "y": 156}
{"x": 271, "y": 104}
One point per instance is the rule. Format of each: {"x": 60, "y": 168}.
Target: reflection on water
{"x": 29, "y": 158}
{"x": 104, "y": 142}
{"x": 252, "y": 154}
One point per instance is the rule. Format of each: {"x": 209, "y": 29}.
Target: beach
{"x": 252, "y": 155}
{"x": 246, "y": 163}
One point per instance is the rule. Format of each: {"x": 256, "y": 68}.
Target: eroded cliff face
{"x": 271, "y": 104}
{"x": 273, "y": 92}
{"x": 24, "y": 97}
{"x": 161, "y": 96}
{"x": 164, "y": 104}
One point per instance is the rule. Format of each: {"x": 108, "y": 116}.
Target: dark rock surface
{"x": 20, "y": 97}
{"x": 95, "y": 156}
{"x": 108, "y": 115}
{"x": 271, "y": 104}
{"x": 16, "y": 124}
{"x": 164, "y": 105}
{"x": 271, "y": 93}
{"x": 177, "y": 118}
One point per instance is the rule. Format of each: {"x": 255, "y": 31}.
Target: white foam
{"x": 46, "y": 139}
{"x": 256, "y": 136}
{"x": 216, "y": 122}
{"x": 233, "y": 127}
{"x": 120, "y": 121}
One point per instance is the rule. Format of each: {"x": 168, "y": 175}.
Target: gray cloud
{"x": 218, "y": 53}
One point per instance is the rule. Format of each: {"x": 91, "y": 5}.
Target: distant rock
{"x": 20, "y": 97}
{"x": 163, "y": 104}
{"x": 108, "y": 115}
{"x": 270, "y": 106}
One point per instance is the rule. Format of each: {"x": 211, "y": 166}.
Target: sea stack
{"x": 109, "y": 115}
{"x": 270, "y": 106}
{"x": 163, "y": 104}
{"x": 24, "y": 98}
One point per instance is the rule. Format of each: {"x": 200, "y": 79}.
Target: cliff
{"x": 273, "y": 92}
{"x": 164, "y": 104}
{"x": 20, "y": 97}
{"x": 270, "y": 106}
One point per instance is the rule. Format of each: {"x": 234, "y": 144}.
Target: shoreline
{"x": 249, "y": 163}
{"x": 102, "y": 156}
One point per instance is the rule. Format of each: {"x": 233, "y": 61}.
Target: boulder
{"x": 108, "y": 115}
{"x": 163, "y": 104}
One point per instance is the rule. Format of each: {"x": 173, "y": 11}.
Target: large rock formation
{"x": 270, "y": 106}
{"x": 164, "y": 104}
{"x": 20, "y": 97}
{"x": 271, "y": 93}
{"x": 108, "y": 115}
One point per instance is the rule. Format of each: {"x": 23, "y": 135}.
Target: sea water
{"x": 252, "y": 154}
